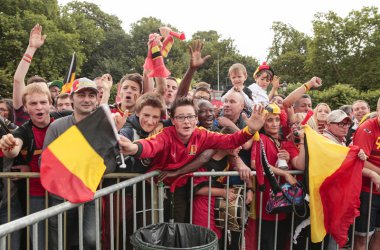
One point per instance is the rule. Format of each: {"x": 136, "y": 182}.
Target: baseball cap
{"x": 337, "y": 116}
{"x": 56, "y": 83}
{"x": 83, "y": 83}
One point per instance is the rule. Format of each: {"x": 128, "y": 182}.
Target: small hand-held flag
{"x": 73, "y": 165}
{"x": 70, "y": 76}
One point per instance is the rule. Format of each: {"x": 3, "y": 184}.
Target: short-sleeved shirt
{"x": 271, "y": 151}
{"x": 21, "y": 116}
{"x": 259, "y": 95}
{"x": 367, "y": 137}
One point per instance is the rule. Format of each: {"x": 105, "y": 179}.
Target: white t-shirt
{"x": 259, "y": 95}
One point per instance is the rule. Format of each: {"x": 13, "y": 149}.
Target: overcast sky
{"x": 245, "y": 21}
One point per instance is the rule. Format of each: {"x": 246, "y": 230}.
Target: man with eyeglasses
{"x": 337, "y": 126}
{"x": 178, "y": 145}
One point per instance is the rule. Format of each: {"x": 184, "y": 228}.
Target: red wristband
{"x": 28, "y": 56}
{"x": 26, "y": 60}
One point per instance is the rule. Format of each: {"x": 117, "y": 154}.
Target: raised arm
{"x": 196, "y": 61}
{"x": 275, "y": 87}
{"x": 107, "y": 85}
{"x": 314, "y": 83}
{"x": 36, "y": 40}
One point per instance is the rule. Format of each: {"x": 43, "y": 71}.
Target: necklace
{"x": 276, "y": 142}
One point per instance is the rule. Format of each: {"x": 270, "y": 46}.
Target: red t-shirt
{"x": 367, "y": 137}
{"x": 200, "y": 207}
{"x": 36, "y": 188}
{"x": 271, "y": 152}
{"x": 169, "y": 153}
{"x": 21, "y": 116}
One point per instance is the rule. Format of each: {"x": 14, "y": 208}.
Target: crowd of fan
{"x": 191, "y": 133}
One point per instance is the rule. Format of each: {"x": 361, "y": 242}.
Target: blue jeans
{"x": 37, "y": 203}
{"x": 15, "y": 214}
{"x": 72, "y": 235}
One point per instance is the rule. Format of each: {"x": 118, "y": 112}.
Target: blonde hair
{"x": 236, "y": 67}
{"x": 316, "y": 109}
{"x": 36, "y": 87}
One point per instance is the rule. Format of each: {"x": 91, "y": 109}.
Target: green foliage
{"x": 288, "y": 53}
{"x": 341, "y": 50}
{"x": 340, "y": 94}
{"x": 346, "y": 49}
{"x": 5, "y": 85}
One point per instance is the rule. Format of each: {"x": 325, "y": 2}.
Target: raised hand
{"x": 165, "y": 31}
{"x": 120, "y": 120}
{"x": 276, "y": 82}
{"x": 107, "y": 81}
{"x": 36, "y": 39}
{"x": 315, "y": 82}
{"x": 257, "y": 119}
{"x": 196, "y": 60}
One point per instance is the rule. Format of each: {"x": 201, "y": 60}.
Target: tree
{"x": 347, "y": 49}
{"x": 224, "y": 52}
{"x": 288, "y": 53}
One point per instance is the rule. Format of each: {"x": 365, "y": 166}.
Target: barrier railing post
{"x": 3, "y": 242}
{"x": 124, "y": 219}
{"x": 134, "y": 208}
{"x": 112, "y": 235}
{"x": 35, "y": 236}
{"x": 209, "y": 203}
{"x": 80, "y": 222}
{"x": 160, "y": 202}
{"x": 152, "y": 204}
{"x": 191, "y": 198}
{"x": 60, "y": 236}
{"x": 144, "y": 204}
{"x": 97, "y": 223}
{"x": 226, "y": 216}
{"x": 369, "y": 217}
{"x": 260, "y": 218}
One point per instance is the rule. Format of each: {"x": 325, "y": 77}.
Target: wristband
{"x": 26, "y": 60}
{"x": 306, "y": 86}
{"x": 250, "y": 189}
{"x": 28, "y": 56}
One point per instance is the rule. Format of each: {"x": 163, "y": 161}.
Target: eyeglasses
{"x": 182, "y": 118}
{"x": 202, "y": 97}
{"x": 342, "y": 124}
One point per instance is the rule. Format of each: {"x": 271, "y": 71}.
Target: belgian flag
{"x": 73, "y": 164}
{"x": 334, "y": 182}
{"x": 70, "y": 75}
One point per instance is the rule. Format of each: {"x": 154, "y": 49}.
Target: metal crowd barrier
{"x": 33, "y": 219}
{"x": 156, "y": 211}
{"x": 242, "y": 242}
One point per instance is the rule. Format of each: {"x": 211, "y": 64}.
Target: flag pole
{"x": 107, "y": 111}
